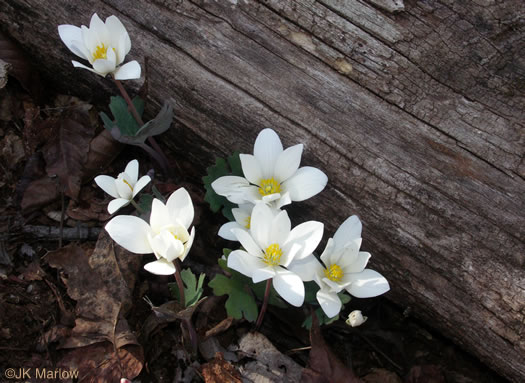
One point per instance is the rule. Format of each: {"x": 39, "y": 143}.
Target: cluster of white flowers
{"x": 272, "y": 249}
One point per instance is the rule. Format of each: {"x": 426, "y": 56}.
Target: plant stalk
{"x": 187, "y": 322}
{"x": 265, "y": 304}
{"x": 139, "y": 120}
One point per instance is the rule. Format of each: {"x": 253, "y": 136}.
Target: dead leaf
{"x": 220, "y": 327}
{"x": 12, "y": 149}
{"x": 66, "y": 155}
{"x": 39, "y": 193}
{"x": 270, "y": 364}
{"x": 33, "y": 272}
{"x": 21, "y": 67}
{"x": 100, "y": 363}
{"x": 219, "y": 370}
{"x": 324, "y": 366}
{"x": 425, "y": 374}
{"x": 102, "y": 151}
{"x": 88, "y": 207}
{"x": 101, "y": 282}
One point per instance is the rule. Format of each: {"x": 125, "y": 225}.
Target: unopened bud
{"x": 356, "y": 318}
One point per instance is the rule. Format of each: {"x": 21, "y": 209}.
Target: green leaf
{"x": 123, "y": 118}
{"x": 145, "y": 202}
{"x": 221, "y": 168}
{"x": 192, "y": 288}
{"x": 240, "y": 303}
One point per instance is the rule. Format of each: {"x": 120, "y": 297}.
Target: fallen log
{"x": 414, "y": 110}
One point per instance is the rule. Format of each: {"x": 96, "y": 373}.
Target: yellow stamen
{"x": 247, "y": 222}
{"x": 127, "y": 183}
{"x": 101, "y": 52}
{"x": 269, "y": 186}
{"x": 334, "y": 273}
{"x": 272, "y": 255}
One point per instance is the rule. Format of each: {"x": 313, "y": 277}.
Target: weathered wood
{"x": 416, "y": 116}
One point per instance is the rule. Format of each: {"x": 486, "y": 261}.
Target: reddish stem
{"x": 265, "y": 304}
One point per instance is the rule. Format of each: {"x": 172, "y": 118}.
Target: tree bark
{"x": 414, "y": 110}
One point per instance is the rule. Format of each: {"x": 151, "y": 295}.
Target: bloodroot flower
{"x": 123, "y": 188}
{"x": 104, "y": 45}
{"x": 270, "y": 245}
{"x": 272, "y": 175}
{"x": 166, "y": 235}
{"x": 344, "y": 268}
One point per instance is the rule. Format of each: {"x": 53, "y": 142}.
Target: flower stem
{"x": 187, "y": 322}
{"x": 265, "y": 304}
{"x": 136, "y": 206}
{"x": 180, "y": 284}
{"x": 139, "y": 120}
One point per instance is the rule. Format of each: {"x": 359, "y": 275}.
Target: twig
{"x": 68, "y": 234}
{"x": 62, "y": 214}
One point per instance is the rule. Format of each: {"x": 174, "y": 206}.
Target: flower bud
{"x": 356, "y": 318}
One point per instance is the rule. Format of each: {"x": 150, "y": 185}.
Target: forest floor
{"x": 78, "y": 302}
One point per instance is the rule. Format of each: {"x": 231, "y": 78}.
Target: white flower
{"x": 272, "y": 175}
{"x": 270, "y": 246}
{"x": 344, "y": 268}
{"x": 125, "y": 187}
{"x": 242, "y": 215}
{"x": 356, "y": 318}
{"x": 104, "y": 45}
{"x": 166, "y": 235}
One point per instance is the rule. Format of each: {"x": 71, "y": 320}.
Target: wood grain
{"x": 415, "y": 113}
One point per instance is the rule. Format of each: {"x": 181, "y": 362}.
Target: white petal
{"x": 288, "y": 162}
{"x": 367, "y": 284}
{"x": 132, "y": 170}
{"x": 165, "y": 245}
{"x": 247, "y": 242}
{"x": 141, "y": 184}
{"x": 330, "y": 302}
{"x": 187, "y": 245}
{"x": 267, "y": 148}
{"x": 76, "y": 64}
{"x": 305, "y": 183}
{"x": 128, "y": 71}
{"x": 116, "y": 204}
{"x": 226, "y": 233}
{"x": 347, "y": 255}
{"x": 332, "y": 286}
{"x": 131, "y": 233}
{"x": 280, "y": 228}
{"x": 124, "y": 186}
{"x": 244, "y": 263}
{"x": 160, "y": 267}
{"x": 349, "y": 230}
{"x": 307, "y": 268}
{"x": 271, "y": 197}
{"x": 307, "y": 235}
{"x": 289, "y": 286}
{"x": 107, "y": 184}
{"x": 263, "y": 274}
{"x": 242, "y": 214}
{"x": 72, "y": 37}
{"x": 260, "y": 225}
{"x": 359, "y": 264}
{"x": 328, "y": 251}
{"x": 103, "y": 66}
{"x": 180, "y": 207}
{"x": 284, "y": 200}
{"x": 251, "y": 169}
{"x": 231, "y": 187}
{"x": 91, "y": 40}
{"x": 118, "y": 35}
{"x": 98, "y": 27}
{"x": 159, "y": 217}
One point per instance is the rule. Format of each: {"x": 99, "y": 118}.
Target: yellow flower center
{"x": 127, "y": 183}
{"x": 101, "y": 52}
{"x": 247, "y": 222}
{"x": 334, "y": 273}
{"x": 272, "y": 255}
{"x": 269, "y": 186}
